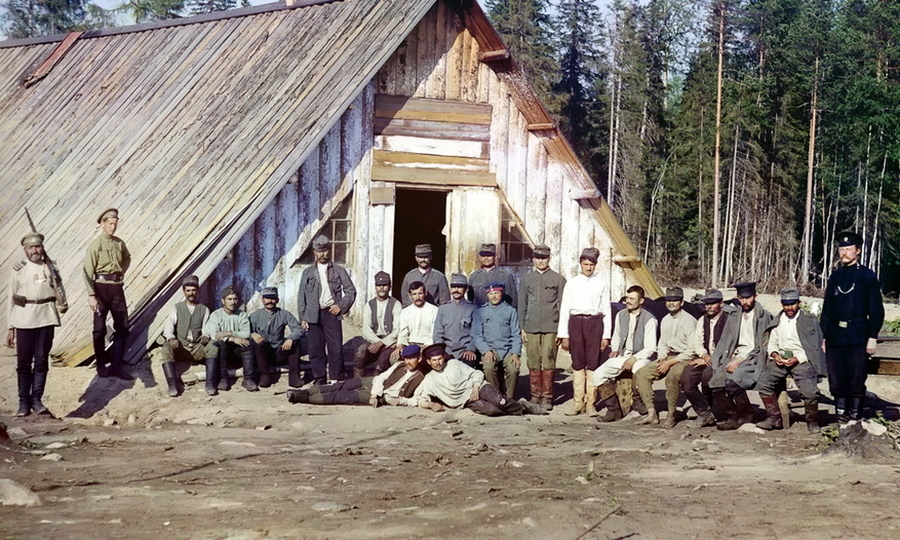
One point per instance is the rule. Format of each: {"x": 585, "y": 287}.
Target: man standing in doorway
{"x": 852, "y": 316}
{"x": 584, "y": 320}
{"x": 437, "y": 291}
{"x": 105, "y": 265}
{"x": 539, "y": 301}
{"x": 491, "y": 273}
{"x": 326, "y": 293}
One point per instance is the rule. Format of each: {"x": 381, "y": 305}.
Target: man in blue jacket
{"x": 496, "y": 335}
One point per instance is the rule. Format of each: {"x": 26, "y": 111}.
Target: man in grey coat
{"x": 267, "y": 340}
{"x": 489, "y": 272}
{"x": 436, "y": 290}
{"x": 795, "y": 348}
{"x": 453, "y": 324}
{"x": 496, "y": 334}
{"x": 321, "y": 308}
{"x": 740, "y": 357}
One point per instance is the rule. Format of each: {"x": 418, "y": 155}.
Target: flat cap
{"x": 423, "y": 250}
{"x": 109, "y": 213}
{"x": 270, "y": 292}
{"x": 789, "y": 296}
{"x": 228, "y": 291}
{"x": 541, "y": 251}
{"x": 849, "y": 238}
{"x": 713, "y": 296}
{"x": 487, "y": 249}
{"x": 33, "y": 239}
{"x": 411, "y": 350}
{"x": 434, "y": 349}
{"x": 674, "y": 293}
{"x": 494, "y": 286}
{"x": 591, "y": 253}
{"x": 459, "y": 280}
{"x": 190, "y": 281}
{"x": 321, "y": 243}
{"x": 745, "y": 289}
{"x": 382, "y": 278}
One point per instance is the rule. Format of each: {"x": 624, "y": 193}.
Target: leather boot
{"x": 701, "y": 407}
{"x": 297, "y": 395}
{"x": 172, "y": 379}
{"x": 840, "y": 410}
{"x": 24, "y": 394}
{"x": 590, "y": 394}
{"x": 224, "y": 384}
{"x": 38, "y": 383}
{"x": 744, "y": 407}
{"x": 118, "y": 367}
{"x": 212, "y": 376}
{"x": 531, "y": 408}
{"x": 263, "y": 369}
{"x": 536, "y": 383}
{"x": 294, "y": 380}
{"x": 729, "y": 408}
{"x": 547, "y": 388}
{"x": 611, "y": 400}
{"x": 637, "y": 402}
{"x": 249, "y": 365}
{"x": 773, "y": 413}
{"x": 578, "y": 390}
{"x": 811, "y": 408}
{"x": 855, "y": 408}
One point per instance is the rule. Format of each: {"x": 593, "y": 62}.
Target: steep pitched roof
{"x": 190, "y": 128}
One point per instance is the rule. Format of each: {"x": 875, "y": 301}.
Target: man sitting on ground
{"x": 185, "y": 340}
{"x": 229, "y": 330}
{"x": 268, "y": 343}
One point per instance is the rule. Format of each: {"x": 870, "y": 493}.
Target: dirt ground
{"x": 126, "y": 461}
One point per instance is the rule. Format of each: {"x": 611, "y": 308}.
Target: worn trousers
{"x": 613, "y": 367}
{"x": 585, "y": 334}
{"x": 691, "y": 379}
{"x": 349, "y": 392}
{"x": 326, "y": 339}
{"x": 382, "y": 359}
{"x": 491, "y": 403}
{"x": 540, "y": 351}
{"x": 110, "y": 300}
{"x": 804, "y": 375}
{"x": 644, "y": 377}
{"x": 510, "y": 374}
{"x": 186, "y": 352}
{"x": 33, "y": 349}
{"x": 847, "y": 370}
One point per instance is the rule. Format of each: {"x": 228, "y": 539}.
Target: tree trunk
{"x": 810, "y": 167}
{"x": 716, "y": 159}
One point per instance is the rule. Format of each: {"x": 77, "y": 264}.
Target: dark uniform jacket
{"x": 437, "y": 291}
{"x": 453, "y": 326}
{"x": 539, "y": 298}
{"x": 342, "y": 290}
{"x": 482, "y": 277}
{"x": 852, "y": 312}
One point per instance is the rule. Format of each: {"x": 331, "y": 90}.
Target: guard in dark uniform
{"x": 105, "y": 265}
{"x": 35, "y": 304}
{"x": 852, "y": 316}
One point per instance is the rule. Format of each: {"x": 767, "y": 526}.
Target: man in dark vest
{"x": 706, "y": 335}
{"x": 396, "y": 386}
{"x": 795, "y": 348}
{"x": 740, "y": 357}
{"x": 453, "y": 324}
{"x": 633, "y": 347}
{"x": 852, "y": 316}
{"x": 267, "y": 339}
{"x": 381, "y": 318}
{"x": 489, "y": 272}
{"x": 183, "y": 331}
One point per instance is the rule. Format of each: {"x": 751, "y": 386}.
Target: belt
{"x": 114, "y": 277}
{"x": 22, "y": 301}
{"x": 582, "y": 316}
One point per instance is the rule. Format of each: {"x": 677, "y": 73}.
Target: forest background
{"x": 732, "y": 138}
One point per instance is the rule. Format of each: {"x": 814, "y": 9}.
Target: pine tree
{"x": 29, "y": 18}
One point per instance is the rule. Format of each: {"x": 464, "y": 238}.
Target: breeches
{"x": 804, "y": 375}
{"x": 33, "y": 349}
{"x": 644, "y": 377}
{"x": 585, "y": 333}
{"x": 541, "y": 351}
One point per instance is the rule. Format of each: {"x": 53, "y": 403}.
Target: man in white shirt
{"x": 633, "y": 347}
{"x": 795, "y": 348}
{"x": 584, "y": 328}
{"x": 183, "y": 331}
{"x": 416, "y": 320}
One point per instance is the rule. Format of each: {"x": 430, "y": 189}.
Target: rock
{"x": 16, "y": 433}
{"x": 132, "y": 418}
{"x": 13, "y": 494}
{"x": 109, "y": 422}
{"x": 582, "y": 480}
{"x": 330, "y": 507}
{"x": 529, "y": 522}
{"x": 516, "y": 464}
{"x": 751, "y": 428}
{"x": 55, "y": 446}
{"x": 52, "y": 457}
{"x": 874, "y": 428}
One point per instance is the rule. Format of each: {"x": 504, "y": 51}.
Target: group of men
{"x": 461, "y": 341}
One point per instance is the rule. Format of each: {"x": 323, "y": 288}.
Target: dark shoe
{"x": 613, "y": 410}
{"x": 855, "y": 408}
{"x": 25, "y": 392}
{"x": 840, "y": 410}
{"x": 531, "y": 408}
{"x": 773, "y": 413}
{"x": 321, "y": 381}
{"x": 172, "y": 378}
{"x": 704, "y": 419}
{"x": 249, "y": 385}
{"x": 24, "y": 409}
{"x": 212, "y": 376}
{"x": 729, "y": 408}
{"x": 118, "y": 371}
{"x": 298, "y": 395}
{"x": 102, "y": 371}
{"x": 745, "y": 408}
{"x": 812, "y": 415}
{"x": 37, "y": 393}
{"x": 265, "y": 379}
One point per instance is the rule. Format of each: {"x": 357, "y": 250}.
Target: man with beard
{"x": 34, "y": 308}
{"x": 451, "y": 384}
{"x": 416, "y": 320}
{"x": 496, "y": 335}
{"x": 539, "y": 302}
{"x": 453, "y": 325}
{"x": 699, "y": 370}
{"x": 326, "y": 294}
{"x": 673, "y": 354}
{"x": 740, "y": 357}
{"x": 229, "y": 331}
{"x": 852, "y": 316}
{"x": 104, "y": 269}
{"x": 489, "y": 272}
{"x": 584, "y": 328}
{"x": 268, "y": 343}
{"x": 381, "y": 326}
{"x": 436, "y": 290}
{"x": 795, "y": 348}
{"x": 396, "y": 386}
{"x": 183, "y": 331}
{"x": 633, "y": 347}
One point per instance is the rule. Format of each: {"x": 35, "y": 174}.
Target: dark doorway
{"x": 419, "y": 218}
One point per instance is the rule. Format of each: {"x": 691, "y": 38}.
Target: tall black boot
{"x": 262, "y": 365}
{"x": 212, "y": 376}
{"x": 118, "y": 366}
{"x": 38, "y": 383}
{"x": 249, "y": 365}
{"x": 840, "y": 409}
{"x": 224, "y": 384}
{"x": 811, "y": 408}
{"x": 729, "y": 408}
{"x": 172, "y": 378}
{"x": 701, "y": 407}
{"x": 294, "y": 380}
{"x": 637, "y": 402}
{"x": 25, "y": 380}
{"x": 855, "y": 408}
{"x": 744, "y": 407}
